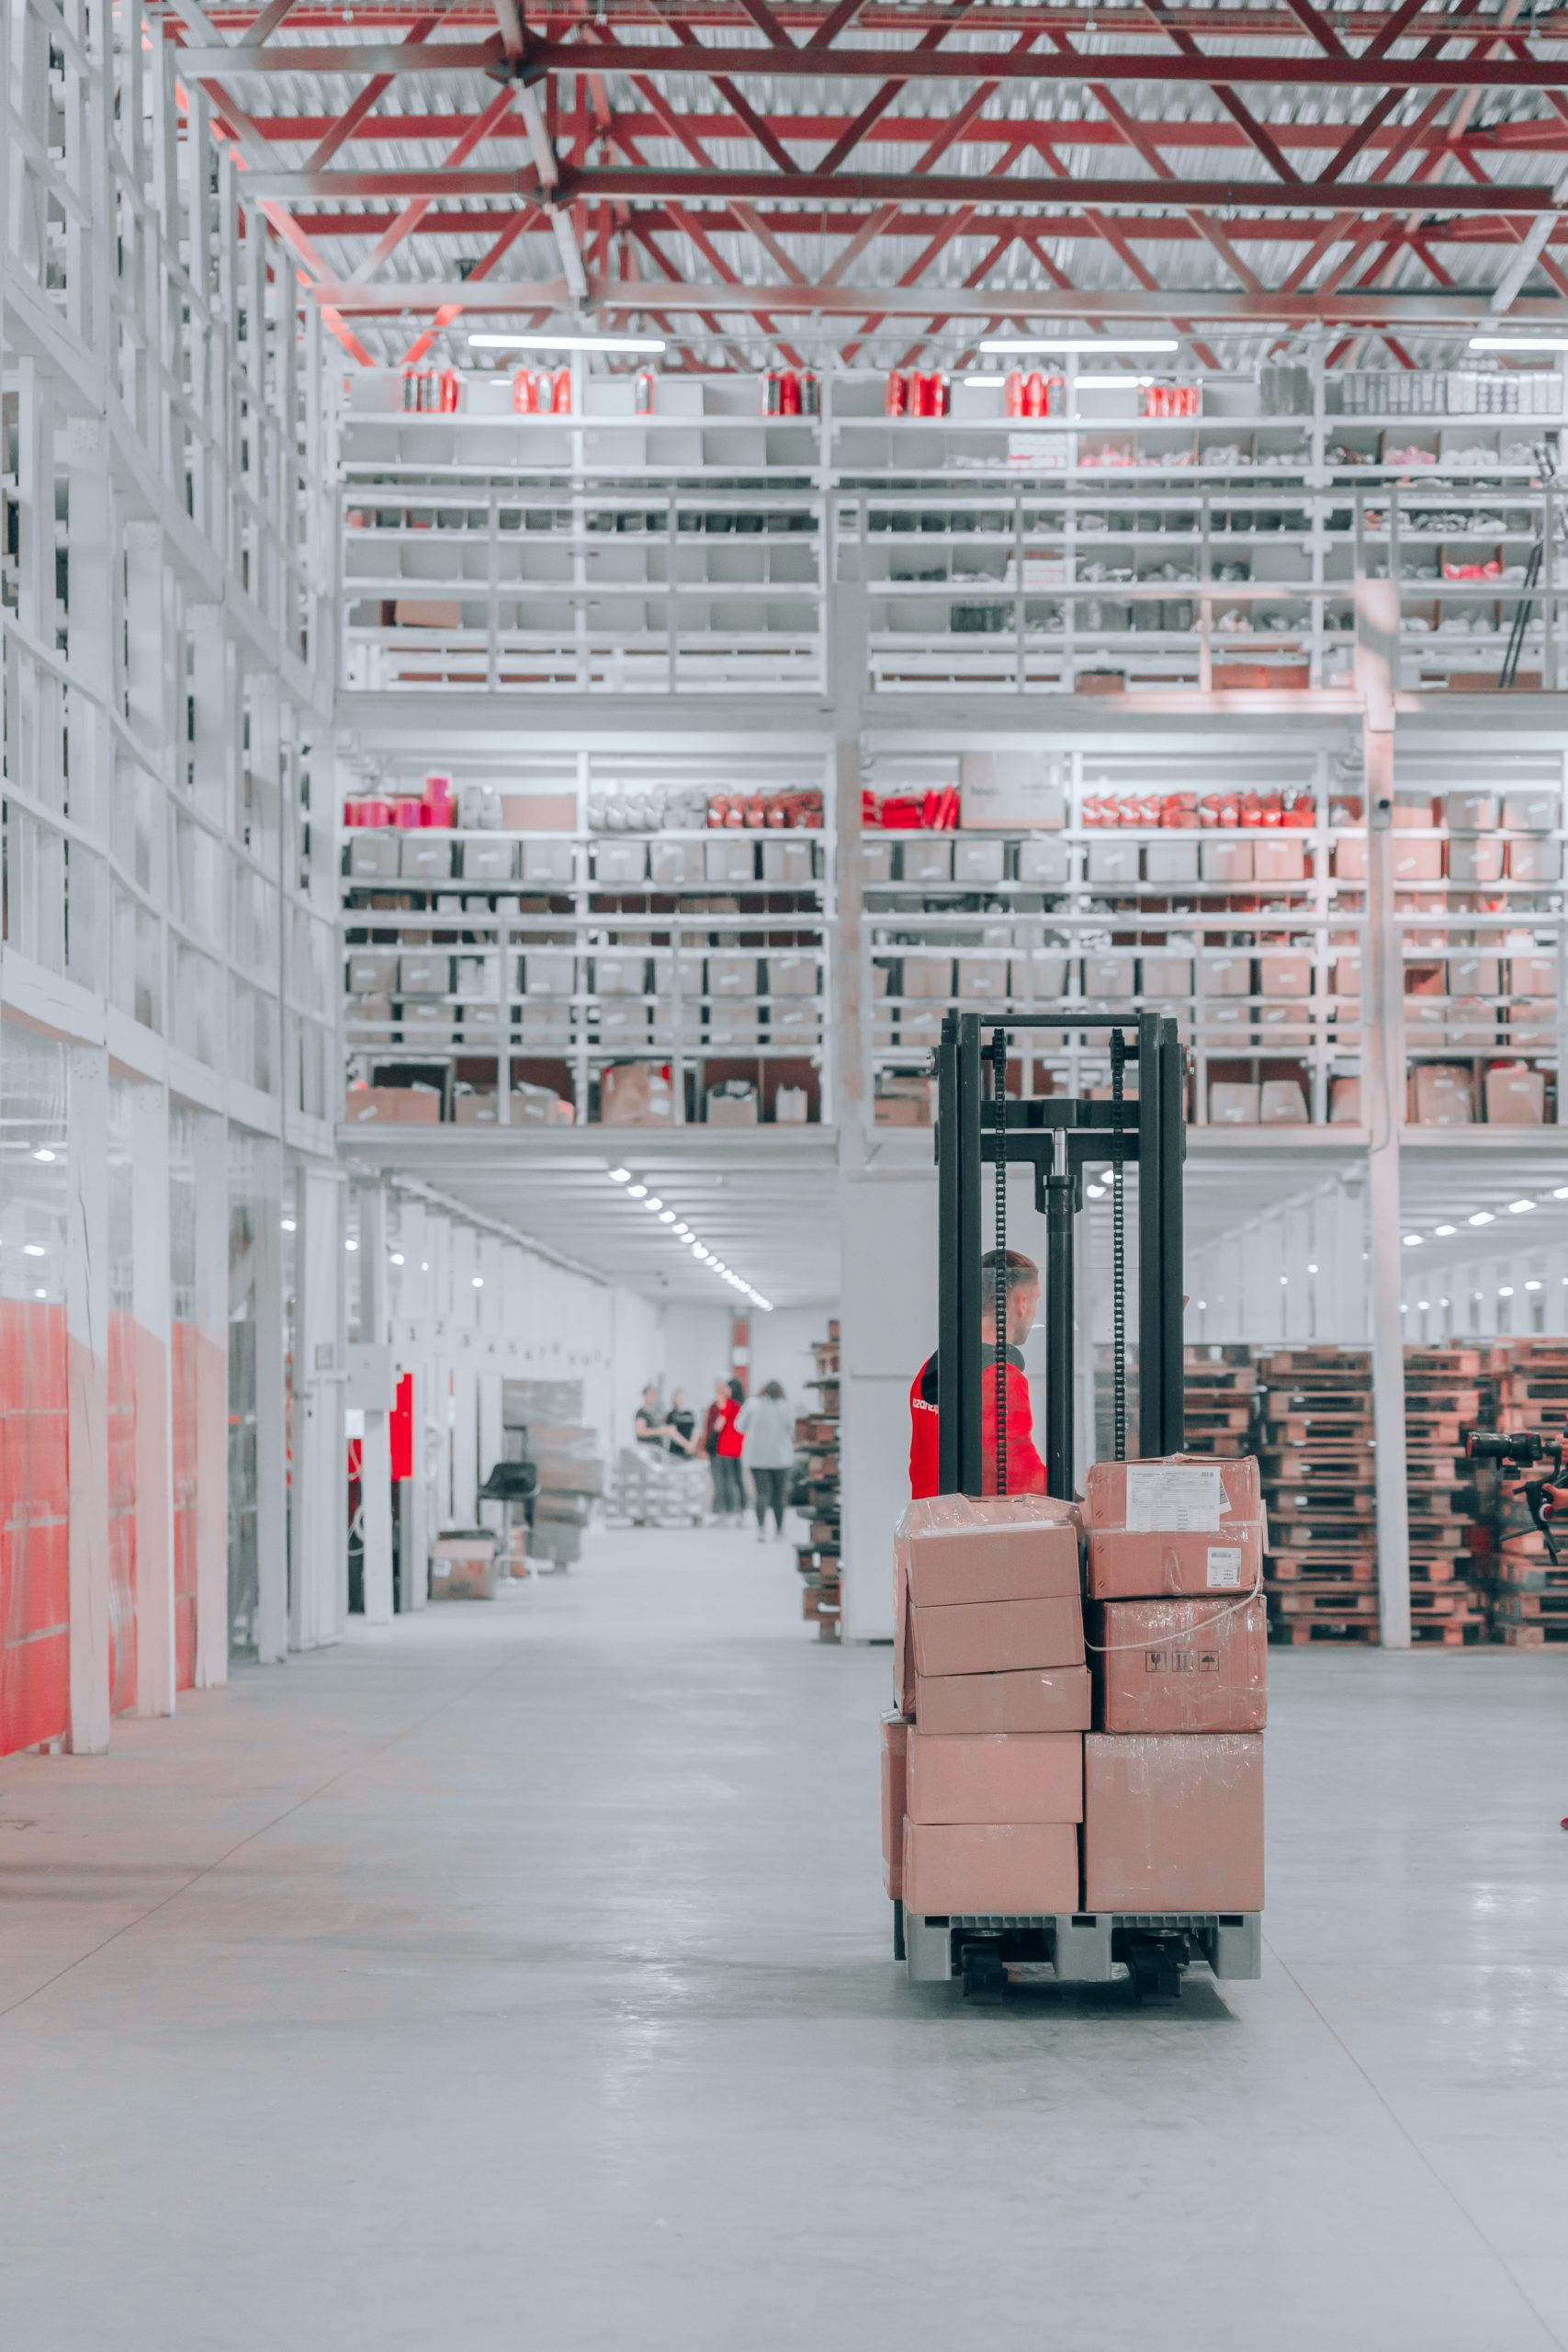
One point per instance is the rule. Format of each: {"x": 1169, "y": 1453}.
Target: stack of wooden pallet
{"x": 817, "y": 1490}
{"x": 1447, "y": 1391}
{"x": 1530, "y": 1591}
{"x": 1316, "y": 1448}
{"x": 1220, "y": 1401}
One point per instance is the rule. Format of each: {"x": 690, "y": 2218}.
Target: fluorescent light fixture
{"x": 1312, "y": 1268}
{"x": 1559, "y": 1192}
{"x": 1506, "y": 1290}
{"x": 40, "y": 1293}
{"x": 1532, "y": 1285}
{"x": 1284, "y": 1281}
{"x": 1519, "y": 1208}
{"x": 1513, "y": 343}
{"x": 984, "y": 383}
{"x": 1480, "y": 1217}
{"x": 43, "y": 1153}
{"x": 1095, "y": 1192}
{"x": 32, "y": 1250}
{"x": 653, "y": 1205}
{"x": 637, "y": 1192}
{"x": 289, "y": 1224}
{"x": 619, "y": 1175}
{"x": 699, "y": 1251}
{"x": 479, "y": 1281}
{"x": 1413, "y": 1241}
{"x": 1111, "y": 383}
{"x": 1443, "y": 1231}
{"x": 549, "y": 341}
{"x": 1094, "y": 343}
{"x": 397, "y": 1256}
{"x": 682, "y": 1233}
{"x": 1423, "y": 1304}
{"x": 351, "y": 1245}
{"x": 666, "y": 1217}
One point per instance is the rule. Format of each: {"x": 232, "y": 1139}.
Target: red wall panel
{"x": 34, "y": 1506}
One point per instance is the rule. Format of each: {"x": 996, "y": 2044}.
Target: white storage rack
{"x": 678, "y": 1021}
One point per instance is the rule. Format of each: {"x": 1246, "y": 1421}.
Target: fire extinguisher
{"x": 525, "y": 394}
{"x": 789, "y": 394}
{"x": 938, "y": 396}
{"x": 644, "y": 393}
{"x": 896, "y": 398}
{"x": 1035, "y": 396}
{"x": 450, "y": 391}
{"x": 561, "y": 393}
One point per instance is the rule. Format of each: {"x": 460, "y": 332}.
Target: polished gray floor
{"x": 520, "y": 1979}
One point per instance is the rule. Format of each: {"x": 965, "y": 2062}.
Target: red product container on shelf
{"x": 1035, "y": 395}
{"x": 810, "y": 395}
{"x": 561, "y": 393}
{"x": 451, "y": 390}
{"x": 895, "y": 397}
{"x": 789, "y": 394}
{"x": 409, "y": 814}
{"x": 524, "y": 393}
{"x": 645, "y": 391}
{"x": 1014, "y": 393}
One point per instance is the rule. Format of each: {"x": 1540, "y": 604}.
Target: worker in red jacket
{"x": 1026, "y": 1471}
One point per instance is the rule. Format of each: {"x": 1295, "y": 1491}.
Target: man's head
{"x": 1020, "y": 1279}
{"x": 650, "y": 1394}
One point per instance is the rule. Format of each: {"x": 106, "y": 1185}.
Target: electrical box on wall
{"x": 370, "y": 1376}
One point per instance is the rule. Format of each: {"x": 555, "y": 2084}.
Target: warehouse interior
{"x": 536, "y": 1792}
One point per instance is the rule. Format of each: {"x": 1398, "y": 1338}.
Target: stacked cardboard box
{"x": 817, "y": 1491}
{"x": 983, "y": 1757}
{"x": 1173, "y": 1772}
{"x": 1315, "y": 1443}
{"x": 1447, "y": 1390}
{"x": 542, "y": 1424}
{"x": 1530, "y": 1591}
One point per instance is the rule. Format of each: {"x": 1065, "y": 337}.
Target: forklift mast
{"x": 1059, "y": 1136}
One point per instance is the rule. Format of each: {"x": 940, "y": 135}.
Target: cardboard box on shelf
{"x": 1173, "y": 1821}
{"x": 1535, "y": 861}
{"x": 980, "y": 980}
{"x": 1016, "y": 1870}
{"x": 665, "y": 967}
{"x": 1224, "y": 971}
{"x": 1281, "y": 1102}
{"x": 730, "y": 857}
{"x": 979, "y": 861}
{"x": 1277, "y": 858}
{"x": 544, "y": 1028}
{"x": 1469, "y": 812}
{"x": 1109, "y": 973}
{"x": 796, "y": 1019}
{"x": 904, "y": 1108}
{"x": 635, "y": 1094}
{"x": 792, "y": 1106}
{"x": 369, "y": 1012}
{"x": 1038, "y": 978}
{"x": 623, "y": 1023}
{"x": 427, "y": 1023}
{"x": 923, "y": 859}
{"x": 619, "y": 973}
{"x": 926, "y": 974}
{"x": 423, "y": 973}
{"x": 1044, "y": 864}
{"x": 392, "y": 1106}
{"x": 1350, "y": 857}
{"x": 538, "y": 812}
{"x": 676, "y": 866}
{"x": 427, "y": 612}
{"x": 1473, "y": 974}
{"x": 1226, "y": 861}
{"x": 1516, "y": 1096}
{"x": 792, "y": 972}
{"x": 547, "y": 862}
{"x": 550, "y": 971}
{"x": 1172, "y": 861}
{"x": 962, "y": 1548}
{"x": 1345, "y": 1102}
{"x": 1034, "y": 1699}
{"x": 738, "y": 1025}
{"x": 489, "y": 860}
{"x": 895, "y": 1752}
{"x": 1163, "y": 973}
{"x": 734, "y": 974}
{"x": 619, "y": 864}
{"x": 728, "y": 1109}
{"x": 1182, "y": 1666}
{"x": 1284, "y": 971}
{"x": 1011, "y": 789}
{"x": 1113, "y": 863}
{"x": 424, "y": 857}
{"x": 1471, "y": 1021}
{"x": 876, "y": 860}
{"x": 1535, "y": 811}
{"x": 1414, "y": 860}
{"x": 531, "y": 1106}
{"x": 1529, "y": 1023}
{"x": 476, "y": 975}
{"x": 1531, "y": 975}
{"x": 372, "y": 856}
{"x": 1480, "y": 860}
{"x": 1233, "y": 1103}
{"x": 998, "y": 1776}
{"x": 997, "y": 1636}
{"x": 372, "y": 971}
{"x": 786, "y": 862}
{"x": 1441, "y": 1095}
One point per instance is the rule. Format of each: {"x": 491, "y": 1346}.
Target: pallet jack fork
{"x": 1142, "y": 1133}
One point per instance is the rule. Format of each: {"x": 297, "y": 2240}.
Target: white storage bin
{"x": 372, "y": 971}
{"x": 1480, "y": 860}
{"x": 791, "y": 974}
{"x": 733, "y": 975}
{"x": 981, "y": 980}
{"x": 1533, "y": 974}
{"x": 925, "y": 974}
{"x": 1040, "y": 976}
{"x": 1109, "y": 973}
{"x": 478, "y": 976}
{"x": 1278, "y": 857}
{"x": 1046, "y": 864}
{"x": 663, "y": 972}
{"x": 786, "y": 861}
{"x": 1224, "y": 971}
{"x": 1469, "y": 812}
{"x": 876, "y": 861}
{"x": 799, "y": 1024}
{"x": 620, "y": 863}
{"x": 979, "y": 861}
{"x": 676, "y": 866}
{"x": 1538, "y": 811}
{"x": 373, "y": 854}
{"x": 1538, "y": 860}
{"x": 924, "y": 859}
{"x": 1474, "y": 973}
{"x": 620, "y": 972}
{"x": 550, "y": 971}
{"x": 423, "y": 973}
{"x": 425, "y": 857}
{"x": 547, "y": 862}
{"x": 1113, "y": 863}
{"x": 489, "y": 860}
{"x": 1165, "y": 973}
{"x": 1173, "y": 861}
{"x": 730, "y": 857}
{"x": 1226, "y": 861}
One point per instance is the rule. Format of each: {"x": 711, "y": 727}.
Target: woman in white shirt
{"x": 767, "y": 1430}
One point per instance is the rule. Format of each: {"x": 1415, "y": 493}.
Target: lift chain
{"x": 999, "y": 1102}
{"x": 1118, "y": 1250}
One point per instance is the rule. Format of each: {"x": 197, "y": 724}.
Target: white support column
{"x": 319, "y": 1603}
{"x": 1382, "y": 996}
{"x": 888, "y": 1316}
{"x": 152, "y": 1301}
{"x": 272, "y": 1442}
{"x": 211, "y": 1336}
{"x": 375, "y": 1451}
{"x": 415, "y": 1530}
{"x": 465, "y": 1383}
{"x": 87, "y": 1326}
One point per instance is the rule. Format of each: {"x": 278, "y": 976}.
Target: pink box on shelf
{"x": 1016, "y": 1869}
{"x": 997, "y": 1547}
{"x": 996, "y": 1777}
{"x": 1345, "y": 1102}
{"x": 1516, "y": 1096}
{"x": 1144, "y": 1563}
{"x": 1037, "y": 1698}
{"x": 1416, "y": 861}
{"x": 1278, "y": 859}
{"x": 1233, "y": 1103}
{"x": 997, "y": 1636}
{"x": 1283, "y": 971}
{"x": 1442, "y": 1096}
{"x": 1281, "y": 1102}
{"x": 1173, "y": 1821}
{"x": 1182, "y": 1666}
{"x": 894, "y": 1766}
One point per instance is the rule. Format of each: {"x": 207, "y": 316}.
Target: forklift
{"x": 1136, "y": 1129}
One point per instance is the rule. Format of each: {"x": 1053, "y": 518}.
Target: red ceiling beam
{"x": 910, "y": 64}
{"x": 1522, "y": 200}
{"x": 817, "y": 25}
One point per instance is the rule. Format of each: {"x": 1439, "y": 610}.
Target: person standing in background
{"x": 728, "y": 1484}
{"x": 766, "y": 1424}
{"x": 682, "y": 1425}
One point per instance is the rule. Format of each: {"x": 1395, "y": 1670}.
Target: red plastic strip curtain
{"x": 184, "y": 1365}
{"x": 124, "y": 1354}
{"x": 34, "y": 1421}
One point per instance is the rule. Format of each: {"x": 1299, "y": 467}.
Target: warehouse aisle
{"x": 519, "y": 1979}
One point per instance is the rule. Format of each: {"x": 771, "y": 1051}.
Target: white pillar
{"x": 272, "y": 1440}
{"x": 888, "y": 1317}
{"x": 151, "y": 1306}
{"x": 375, "y": 1452}
{"x": 210, "y": 1339}
{"x": 319, "y": 1602}
{"x": 87, "y": 1323}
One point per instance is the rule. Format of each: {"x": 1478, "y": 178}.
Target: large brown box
{"x": 1035, "y": 1699}
{"x": 635, "y": 1094}
{"x": 999, "y": 1547}
{"x": 894, "y": 1753}
{"x": 1194, "y": 1490}
{"x": 995, "y": 1776}
{"x": 392, "y": 1106}
{"x": 1188, "y": 1666}
{"x": 997, "y": 1636}
{"x": 1173, "y": 1821}
{"x": 1150, "y": 1565}
{"x": 1442, "y": 1096}
{"x": 1516, "y": 1096}
{"x": 1019, "y": 1869}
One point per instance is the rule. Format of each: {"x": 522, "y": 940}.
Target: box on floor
{"x": 1173, "y": 1821}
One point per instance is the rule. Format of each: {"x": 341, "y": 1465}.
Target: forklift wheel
{"x": 899, "y": 1951}
{"x": 985, "y": 1976}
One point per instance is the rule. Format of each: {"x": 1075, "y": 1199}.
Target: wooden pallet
{"x": 1533, "y": 1637}
{"x": 1338, "y": 1600}
{"x": 1350, "y": 1463}
{"x": 1290, "y": 1567}
{"x": 1297, "y": 1630}
{"x": 1448, "y": 1633}
{"x": 1516, "y": 1607}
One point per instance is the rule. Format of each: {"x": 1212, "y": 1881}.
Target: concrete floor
{"x": 521, "y": 1979}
